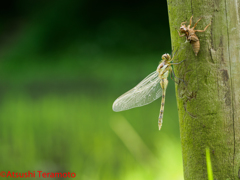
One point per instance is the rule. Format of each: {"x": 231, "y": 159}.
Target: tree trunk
{"x": 209, "y": 103}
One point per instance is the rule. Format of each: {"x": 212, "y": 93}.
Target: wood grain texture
{"x": 209, "y": 105}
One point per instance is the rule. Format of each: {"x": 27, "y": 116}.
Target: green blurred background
{"x": 62, "y": 65}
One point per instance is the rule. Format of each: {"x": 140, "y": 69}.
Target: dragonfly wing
{"x": 145, "y": 92}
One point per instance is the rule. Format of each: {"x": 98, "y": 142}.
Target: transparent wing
{"x": 145, "y": 92}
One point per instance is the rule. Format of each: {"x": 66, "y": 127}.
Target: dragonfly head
{"x": 183, "y": 28}
{"x": 166, "y": 57}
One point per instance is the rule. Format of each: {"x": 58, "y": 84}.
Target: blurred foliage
{"x": 63, "y": 63}
{"x": 73, "y": 133}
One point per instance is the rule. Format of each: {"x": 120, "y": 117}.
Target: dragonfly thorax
{"x": 160, "y": 66}
{"x": 163, "y": 67}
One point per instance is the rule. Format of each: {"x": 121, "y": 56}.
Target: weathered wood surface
{"x": 209, "y": 105}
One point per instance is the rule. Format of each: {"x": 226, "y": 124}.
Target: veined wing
{"x": 145, "y": 92}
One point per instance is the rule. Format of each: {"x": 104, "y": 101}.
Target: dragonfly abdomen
{"x": 195, "y": 46}
{"x": 161, "y": 112}
{"x": 164, "y": 83}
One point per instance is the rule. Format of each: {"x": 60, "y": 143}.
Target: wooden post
{"x": 209, "y": 103}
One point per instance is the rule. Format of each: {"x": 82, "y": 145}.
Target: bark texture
{"x": 209, "y": 103}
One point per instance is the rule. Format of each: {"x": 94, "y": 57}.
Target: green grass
{"x": 74, "y": 133}
{"x": 209, "y": 164}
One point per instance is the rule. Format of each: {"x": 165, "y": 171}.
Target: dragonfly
{"x": 149, "y": 89}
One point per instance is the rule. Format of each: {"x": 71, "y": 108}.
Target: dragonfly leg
{"x": 190, "y": 23}
{"x": 196, "y": 23}
{"x": 174, "y": 79}
{"x": 180, "y": 33}
{"x": 174, "y": 53}
{"x": 178, "y": 62}
{"x": 179, "y": 79}
{"x": 204, "y": 28}
{"x": 183, "y": 23}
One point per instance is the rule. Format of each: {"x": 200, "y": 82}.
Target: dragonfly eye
{"x": 183, "y": 28}
{"x": 166, "y": 57}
